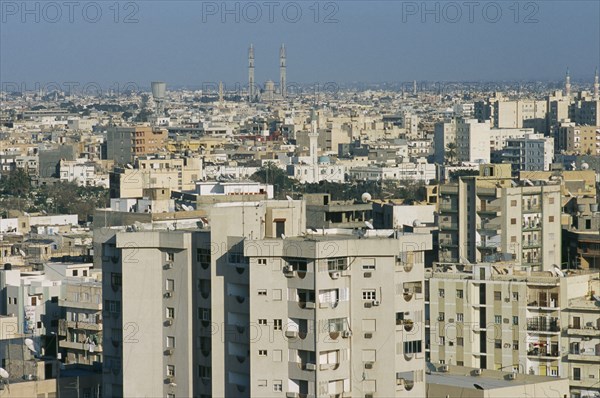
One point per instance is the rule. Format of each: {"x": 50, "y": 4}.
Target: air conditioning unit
{"x": 451, "y": 320}
{"x": 368, "y": 395}
{"x": 291, "y": 334}
{"x": 368, "y": 335}
{"x": 168, "y": 266}
{"x": 168, "y": 322}
{"x": 512, "y": 376}
{"x": 168, "y": 295}
{"x": 367, "y": 274}
{"x": 334, "y": 275}
{"x": 375, "y": 302}
{"x": 369, "y": 365}
{"x": 440, "y": 318}
{"x": 288, "y": 269}
{"x": 310, "y": 305}
{"x": 507, "y": 300}
{"x": 406, "y": 291}
{"x": 444, "y": 368}
{"x": 586, "y": 338}
{"x": 291, "y": 395}
{"x": 478, "y": 372}
{"x": 346, "y": 334}
{"x": 311, "y": 366}
{"x": 170, "y": 380}
{"x": 169, "y": 351}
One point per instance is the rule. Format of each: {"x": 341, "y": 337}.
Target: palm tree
{"x": 451, "y": 152}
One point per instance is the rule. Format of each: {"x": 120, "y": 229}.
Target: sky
{"x": 194, "y": 43}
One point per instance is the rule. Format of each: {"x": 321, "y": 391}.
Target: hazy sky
{"x": 189, "y": 43}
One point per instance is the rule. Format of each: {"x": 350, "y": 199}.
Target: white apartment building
{"x": 247, "y": 306}
{"x": 82, "y": 172}
{"x": 492, "y": 316}
{"x": 420, "y": 171}
{"x": 490, "y": 216}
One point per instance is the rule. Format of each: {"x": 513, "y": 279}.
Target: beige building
{"x": 124, "y": 144}
{"x": 491, "y": 216}
{"x": 574, "y": 139}
{"x": 250, "y": 307}
{"x": 493, "y": 316}
{"x": 173, "y": 172}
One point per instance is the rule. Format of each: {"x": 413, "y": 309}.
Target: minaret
{"x": 251, "y": 73}
{"x": 596, "y": 86}
{"x": 414, "y": 87}
{"x": 313, "y": 138}
{"x": 282, "y": 72}
{"x": 221, "y": 93}
{"x": 568, "y": 84}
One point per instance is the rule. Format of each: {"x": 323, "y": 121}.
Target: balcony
{"x": 542, "y": 354}
{"x": 532, "y": 226}
{"x": 530, "y": 244}
{"x": 448, "y": 226}
{"x": 584, "y": 357}
{"x": 489, "y": 209}
{"x": 591, "y": 331}
{"x": 446, "y": 207}
{"x": 543, "y": 325}
{"x": 81, "y": 305}
{"x": 79, "y": 346}
{"x": 532, "y": 209}
{"x": 94, "y": 326}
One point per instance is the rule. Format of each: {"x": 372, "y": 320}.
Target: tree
{"x": 17, "y": 183}
{"x": 451, "y": 152}
{"x": 271, "y": 174}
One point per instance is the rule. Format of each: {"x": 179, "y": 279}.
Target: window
{"x": 369, "y": 294}
{"x": 204, "y": 314}
{"x": 460, "y": 341}
{"x": 577, "y": 374}
{"x": 75, "y": 272}
{"x": 171, "y": 370}
{"x": 513, "y": 221}
{"x": 262, "y": 322}
{"x": 513, "y": 203}
{"x": 498, "y": 343}
{"x": 170, "y": 285}
{"x": 497, "y": 296}
{"x": 515, "y": 296}
{"x": 498, "y": 319}
{"x": 277, "y": 324}
{"x": 170, "y": 256}
{"x": 441, "y": 293}
{"x": 262, "y": 292}
{"x": 513, "y": 239}
{"x": 170, "y": 342}
{"x": 441, "y": 316}
{"x": 262, "y": 382}
{"x": 204, "y": 372}
{"x": 515, "y": 345}
{"x": 412, "y": 347}
{"x": 116, "y": 279}
{"x": 515, "y": 320}
{"x": 460, "y": 317}
{"x": 368, "y": 263}
{"x": 551, "y": 219}
{"x": 551, "y": 201}
{"x": 277, "y": 385}
{"x": 262, "y": 353}
{"x": 459, "y": 294}
{"x": 262, "y": 261}
{"x": 170, "y": 312}
{"x": 442, "y": 340}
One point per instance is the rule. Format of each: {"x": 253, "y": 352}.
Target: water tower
{"x": 159, "y": 90}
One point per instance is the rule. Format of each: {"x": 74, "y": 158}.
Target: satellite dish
{"x": 129, "y": 166}
{"x": 289, "y": 198}
{"x": 416, "y": 223}
{"x": 585, "y": 166}
{"x": 558, "y": 271}
{"x": 366, "y": 197}
{"x": 3, "y": 373}
{"x": 282, "y": 236}
{"x": 369, "y": 225}
{"x": 31, "y": 346}
{"x": 477, "y": 386}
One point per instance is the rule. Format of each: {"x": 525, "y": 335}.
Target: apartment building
{"x": 533, "y": 152}
{"x": 172, "y": 172}
{"x": 576, "y": 139}
{"x": 175, "y": 333}
{"x": 473, "y": 141}
{"x": 330, "y": 307}
{"x": 124, "y": 144}
{"x": 493, "y": 316}
{"x": 490, "y": 216}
